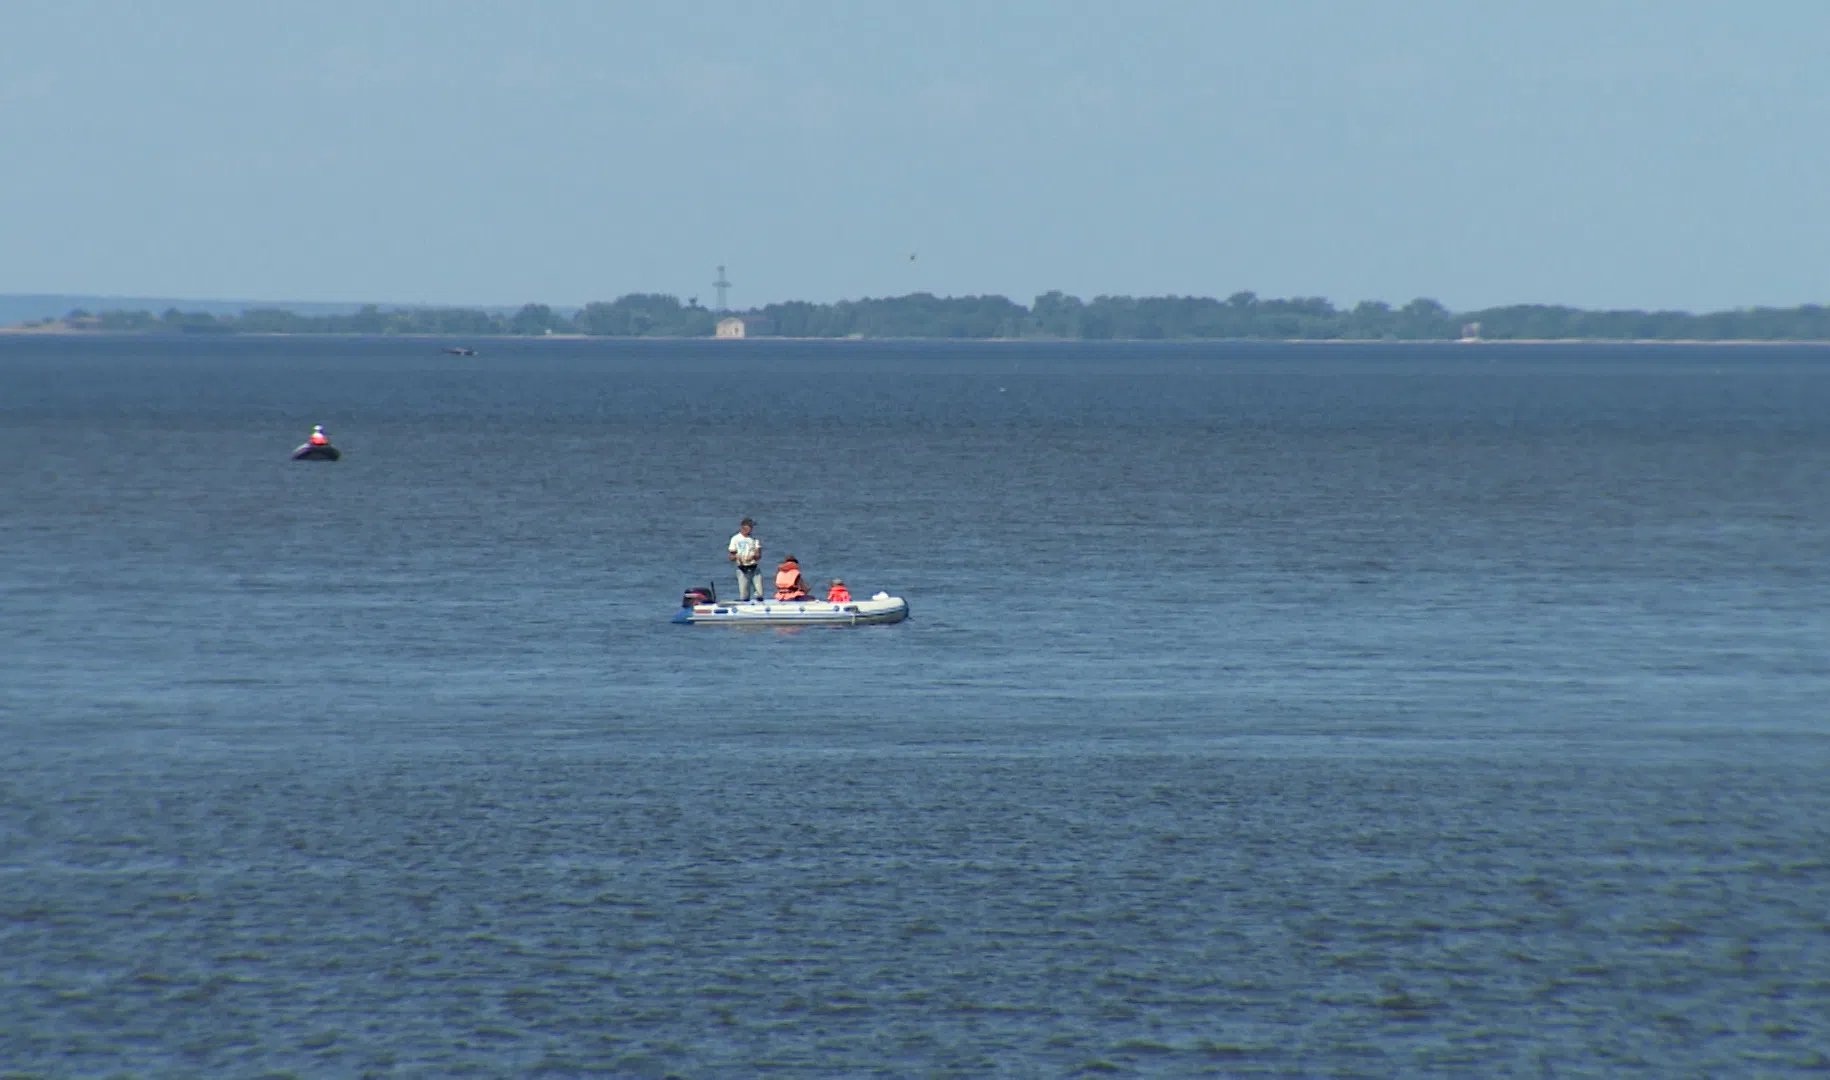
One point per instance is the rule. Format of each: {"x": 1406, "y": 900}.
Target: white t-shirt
{"x": 747, "y": 549}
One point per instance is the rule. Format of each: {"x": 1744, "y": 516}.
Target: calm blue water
{"x": 1265, "y": 710}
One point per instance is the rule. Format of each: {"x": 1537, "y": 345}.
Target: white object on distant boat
{"x": 881, "y": 608}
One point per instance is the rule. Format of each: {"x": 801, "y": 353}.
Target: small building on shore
{"x": 741, "y": 326}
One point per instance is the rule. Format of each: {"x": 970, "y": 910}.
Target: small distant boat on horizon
{"x": 459, "y": 350}
{"x": 317, "y": 447}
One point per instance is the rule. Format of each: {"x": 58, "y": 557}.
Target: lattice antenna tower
{"x": 721, "y": 285}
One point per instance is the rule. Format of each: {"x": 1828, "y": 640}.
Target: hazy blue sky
{"x": 1645, "y": 154}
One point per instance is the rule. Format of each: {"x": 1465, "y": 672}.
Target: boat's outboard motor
{"x": 699, "y": 594}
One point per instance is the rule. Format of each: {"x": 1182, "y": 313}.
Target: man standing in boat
{"x": 746, "y": 551}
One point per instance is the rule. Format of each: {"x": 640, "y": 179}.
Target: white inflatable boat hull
{"x": 881, "y": 608}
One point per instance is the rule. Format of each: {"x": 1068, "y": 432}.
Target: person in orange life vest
{"x": 318, "y": 438}
{"x": 838, "y": 594}
{"x": 788, "y": 583}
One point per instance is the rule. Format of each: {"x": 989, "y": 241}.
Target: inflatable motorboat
{"x": 308, "y": 452}
{"x": 701, "y": 605}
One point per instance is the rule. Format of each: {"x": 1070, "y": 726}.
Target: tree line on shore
{"x": 1053, "y": 315}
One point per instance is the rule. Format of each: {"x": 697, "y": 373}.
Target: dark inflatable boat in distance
{"x": 308, "y": 452}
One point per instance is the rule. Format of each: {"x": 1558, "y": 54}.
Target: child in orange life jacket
{"x": 788, "y": 583}
{"x": 318, "y": 438}
{"x": 838, "y": 594}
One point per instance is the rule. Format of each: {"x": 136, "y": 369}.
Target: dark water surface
{"x": 1265, "y": 710}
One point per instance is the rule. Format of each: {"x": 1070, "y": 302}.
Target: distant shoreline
{"x": 65, "y": 331}
{"x": 1053, "y": 316}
